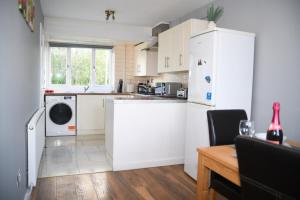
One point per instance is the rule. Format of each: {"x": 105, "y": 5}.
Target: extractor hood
{"x": 152, "y": 43}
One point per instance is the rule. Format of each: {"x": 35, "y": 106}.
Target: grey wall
{"x": 277, "y": 55}
{"x": 19, "y": 93}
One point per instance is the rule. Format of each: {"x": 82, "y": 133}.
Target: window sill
{"x": 80, "y": 89}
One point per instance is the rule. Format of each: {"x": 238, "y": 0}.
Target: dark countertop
{"x": 148, "y": 99}
{"x": 130, "y": 96}
{"x": 81, "y": 93}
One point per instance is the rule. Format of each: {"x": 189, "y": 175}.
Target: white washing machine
{"x": 60, "y": 115}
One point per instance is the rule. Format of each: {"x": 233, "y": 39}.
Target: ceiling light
{"x": 109, "y": 13}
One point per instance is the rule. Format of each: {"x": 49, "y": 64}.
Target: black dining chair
{"x": 223, "y": 127}
{"x": 268, "y": 171}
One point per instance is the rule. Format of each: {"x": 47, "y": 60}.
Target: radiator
{"x": 36, "y": 144}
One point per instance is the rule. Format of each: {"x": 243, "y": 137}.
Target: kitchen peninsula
{"x": 144, "y": 132}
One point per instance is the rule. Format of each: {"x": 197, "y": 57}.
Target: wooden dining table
{"x": 222, "y": 160}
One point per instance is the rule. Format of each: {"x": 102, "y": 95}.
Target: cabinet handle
{"x": 180, "y": 59}
{"x": 165, "y": 62}
{"x": 103, "y": 103}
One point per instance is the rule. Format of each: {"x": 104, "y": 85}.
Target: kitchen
{"x": 135, "y": 103}
{"x": 97, "y": 113}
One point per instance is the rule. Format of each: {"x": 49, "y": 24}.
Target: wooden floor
{"x": 161, "y": 183}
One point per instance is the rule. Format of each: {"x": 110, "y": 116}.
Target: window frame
{"x": 93, "y": 73}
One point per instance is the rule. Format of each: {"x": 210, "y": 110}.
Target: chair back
{"x": 223, "y": 125}
{"x": 268, "y": 171}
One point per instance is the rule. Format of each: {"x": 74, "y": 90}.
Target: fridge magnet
{"x": 27, "y": 9}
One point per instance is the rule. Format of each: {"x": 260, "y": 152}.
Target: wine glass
{"x": 247, "y": 128}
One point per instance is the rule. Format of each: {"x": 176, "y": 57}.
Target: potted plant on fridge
{"x": 213, "y": 15}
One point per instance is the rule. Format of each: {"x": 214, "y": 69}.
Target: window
{"x": 80, "y": 65}
{"x": 103, "y": 59}
{"x": 81, "y": 62}
{"x": 58, "y": 65}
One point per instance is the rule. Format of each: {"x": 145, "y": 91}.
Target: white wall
{"x": 19, "y": 87}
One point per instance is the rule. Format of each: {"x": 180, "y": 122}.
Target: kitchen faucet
{"x": 86, "y": 88}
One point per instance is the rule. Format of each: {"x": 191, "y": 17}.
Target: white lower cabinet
{"x": 90, "y": 114}
{"x": 142, "y": 133}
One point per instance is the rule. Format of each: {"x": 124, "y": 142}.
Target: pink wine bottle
{"x": 274, "y": 133}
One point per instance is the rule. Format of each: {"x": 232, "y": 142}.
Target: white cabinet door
{"x": 173, "y": 50}
{"x": 140, "y": 60}
{"x": 152, "y": 60}
{"x": 90, "y": 114}
{"x": 145, "y": 61}
{"x": 186, "y": 35}
{"x": 164, "y": 51}
{"x": 177, "y": 48}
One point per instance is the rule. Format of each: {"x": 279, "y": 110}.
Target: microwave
{"x": 167, "y": 88}
{"x": 159, "y": 88}
{"x": 171, "y": 88}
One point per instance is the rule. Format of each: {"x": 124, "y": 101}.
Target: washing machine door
{"x": 60, "y": 113}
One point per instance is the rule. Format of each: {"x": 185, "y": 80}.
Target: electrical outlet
{"x": 19, "y": 178}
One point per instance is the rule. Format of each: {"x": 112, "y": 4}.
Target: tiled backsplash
{"x": 125, "y": 69}
{"x": 181, "y": 77}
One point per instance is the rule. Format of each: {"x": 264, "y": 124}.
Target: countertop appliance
{"x": 167, "y": 88}
{"x": 146, "y": 89}
{"x": 220, "y": 77}
{"x": 60, "y": 115}
{"x": 171, "y": 88}
{"x": 182, "y": 93}
{"x": 142, "y": 88}
{"x": 130, "y": 87}
{"x": 159, "y": 88}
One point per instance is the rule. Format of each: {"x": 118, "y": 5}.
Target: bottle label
{"x": 274, "y": 142}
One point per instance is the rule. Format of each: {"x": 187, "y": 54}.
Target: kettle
{"x": 130, "y": 87}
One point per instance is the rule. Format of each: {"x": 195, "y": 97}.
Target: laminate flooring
{"x": 161, "y": 183}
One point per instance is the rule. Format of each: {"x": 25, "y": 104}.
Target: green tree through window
{"x": 80, "y": 61}
{"x": 58, "y": 65}
{"x": 102, "y": 66}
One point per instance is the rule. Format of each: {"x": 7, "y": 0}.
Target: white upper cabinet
{"x": 177, "y": 49}
{"x": 173, "y": 50}
{"x": 145, "y": 61}
{"x": 164, "y": 50}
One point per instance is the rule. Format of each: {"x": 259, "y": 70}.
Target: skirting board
{"x": 90, "y": 131}
{"x": 147, "y": 164}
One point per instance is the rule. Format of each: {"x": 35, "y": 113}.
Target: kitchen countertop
{"x": 143, "y": 99}
{"x": 126, "y": 97}
{"x": 87, "y": 93}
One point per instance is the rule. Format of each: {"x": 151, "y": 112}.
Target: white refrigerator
{"x": 220, "y": 77}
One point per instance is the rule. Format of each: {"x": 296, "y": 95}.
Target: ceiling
{"x": 131, "y": 12}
